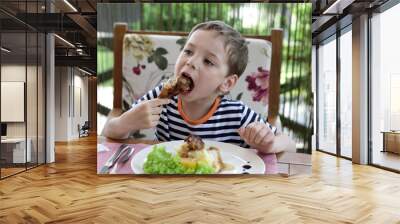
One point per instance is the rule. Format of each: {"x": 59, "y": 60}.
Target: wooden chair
{"x": 121, "y": 33}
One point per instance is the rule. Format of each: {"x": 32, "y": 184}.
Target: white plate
{"x": 234, "y": 155}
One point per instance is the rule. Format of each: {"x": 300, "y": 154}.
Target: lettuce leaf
{"x": 159, "y": 161}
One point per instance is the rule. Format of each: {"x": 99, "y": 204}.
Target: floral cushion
{"x": 252, "y": 86}
{"x": 150, "y": 59}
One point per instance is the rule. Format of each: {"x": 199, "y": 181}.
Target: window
{"x": 385, "y": 89}
{"x": 346, "y": 93}
{"x": 327, "y": 96}
{"x": 22, "y": 75}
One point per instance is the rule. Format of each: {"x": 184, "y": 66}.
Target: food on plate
{"x": 159, "y": 161}
{"x": 192, "y": 157}
{"x": 193, "y": 151}
{"x": 175, "y": 86}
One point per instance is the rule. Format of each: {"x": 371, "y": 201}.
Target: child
{"x": 214, "y": 57}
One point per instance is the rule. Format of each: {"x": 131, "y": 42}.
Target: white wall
{"x": 33, "y": 127}
{"x": 12, "y": 101}
{"x": 14, "y": 73}
{"x": 80, "y": 83}
{"x": 61, "y": 103}
{"x": 70, "y": 83}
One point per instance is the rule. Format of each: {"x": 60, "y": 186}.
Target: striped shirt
{"x": 222, "y": 125}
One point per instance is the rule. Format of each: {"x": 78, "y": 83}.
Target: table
{"x": 285, "y": 163}
{"x": 291, "y": 163}
{"x": 391, "y": 141}
{"x": 13, "y": 150}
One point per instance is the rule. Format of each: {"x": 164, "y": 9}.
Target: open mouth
{"x": 185, "y": 83}
{"x": 178, "y": 85}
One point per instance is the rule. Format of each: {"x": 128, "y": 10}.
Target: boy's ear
{"x": 228, "y": 83}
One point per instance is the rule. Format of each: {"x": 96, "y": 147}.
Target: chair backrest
{"x": 144, "y": 59}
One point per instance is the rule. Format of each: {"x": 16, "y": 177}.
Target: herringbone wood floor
{"x": 70, "y": 191}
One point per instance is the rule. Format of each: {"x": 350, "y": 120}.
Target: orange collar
{"x": 202, "y": 119}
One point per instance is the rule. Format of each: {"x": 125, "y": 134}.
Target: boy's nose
{"x": 191, "y": 64}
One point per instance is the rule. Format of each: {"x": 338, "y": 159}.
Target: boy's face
{"x": 204, "y": 60}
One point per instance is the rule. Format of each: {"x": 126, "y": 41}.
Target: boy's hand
{"x": 259, "y": 136}
{"x": 144, "y": 115}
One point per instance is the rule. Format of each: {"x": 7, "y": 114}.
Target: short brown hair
{"x": 234, "y": 43}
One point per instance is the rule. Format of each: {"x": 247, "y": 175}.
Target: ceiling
{"x": 76, "y": 21}
{"x": 328, "y": 16}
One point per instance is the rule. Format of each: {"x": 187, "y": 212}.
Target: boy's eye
{"x": 208, "y": 62}
{"x": 188, "y": 52}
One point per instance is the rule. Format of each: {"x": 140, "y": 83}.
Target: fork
{"x": 113, "y": 159}
{"x": 123, "y": 158}
{"x": 126, "y": 154}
